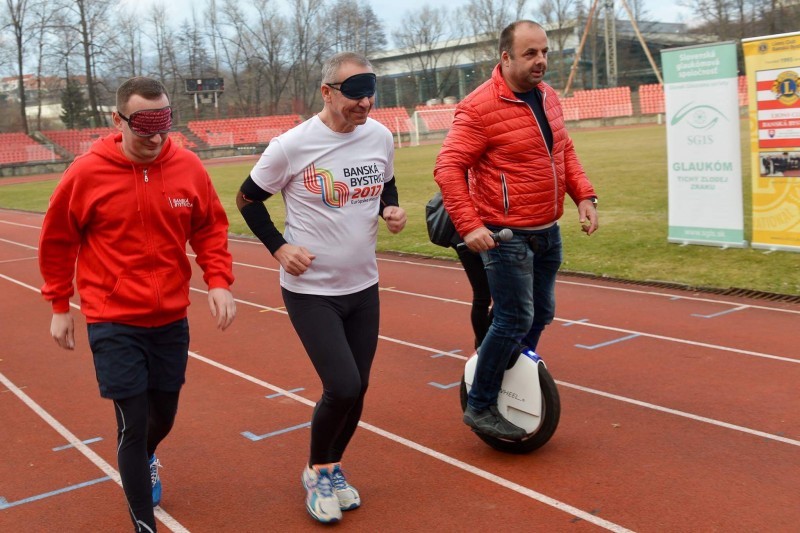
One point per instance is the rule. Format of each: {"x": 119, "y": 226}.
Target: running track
{"x": 680, "y": 412}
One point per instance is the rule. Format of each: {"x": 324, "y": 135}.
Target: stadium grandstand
{"x": 241, "y": 136}
{"x": 238, "y": 131}
{"x": 76, "y": 142}
{"x": 394, "y": 118}
{"x": 18, "y": 148}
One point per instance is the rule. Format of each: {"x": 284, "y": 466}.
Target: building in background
{"x": 447, "y": 71}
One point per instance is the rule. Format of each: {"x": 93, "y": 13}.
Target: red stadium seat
{"x": 18, "y": 148}
{"x": 250, "y": 130}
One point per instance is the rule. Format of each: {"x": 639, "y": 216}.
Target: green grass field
{"x": 629, "y": 171}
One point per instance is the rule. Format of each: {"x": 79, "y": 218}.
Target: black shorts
{"x": 129, "y": 360}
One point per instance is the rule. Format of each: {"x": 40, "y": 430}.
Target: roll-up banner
{"x": 703, "y": 145}
{"x": 773, "y": 76}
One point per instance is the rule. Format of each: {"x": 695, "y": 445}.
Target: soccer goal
{"x": 426, "y": 122}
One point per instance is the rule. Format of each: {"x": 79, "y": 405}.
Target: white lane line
{"x": 510, "y": 485}
{"x": 433, "y": 453}
{"x": 466, "y": 467}
{"x": 436, "y": 351}
{"x": 20, "y": 225}
{"x": 29, "y": 258}
{"x": 683, "y": 414}
{"x": 98, "y": 461}
{"x": 20, "y": 244}
{"x": 459, "y": 268}
{"x": 626, "y": 331}
{"x": 681, "y": 297}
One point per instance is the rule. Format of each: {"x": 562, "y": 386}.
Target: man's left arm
{"x": 209, "y": 240}
{"x": 580, "y": 189}
{"x": 390, "y": 210}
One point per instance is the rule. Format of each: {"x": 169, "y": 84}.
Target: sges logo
{"x": 699, "y": 117}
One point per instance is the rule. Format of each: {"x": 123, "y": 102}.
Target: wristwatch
{"x": 594, "y": 201}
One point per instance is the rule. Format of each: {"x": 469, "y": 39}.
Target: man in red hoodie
{"x": 125, "y": 210}
{"x": 510, "y": 134}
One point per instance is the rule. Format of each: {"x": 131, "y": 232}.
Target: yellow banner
{"x": 773, "y": 88}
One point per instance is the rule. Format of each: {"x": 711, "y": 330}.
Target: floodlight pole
{"x": 578, "y": 52}
{"x": 611, "y": 43}
{"x": 639, "y": 36}
{"x": 642, "y": 41}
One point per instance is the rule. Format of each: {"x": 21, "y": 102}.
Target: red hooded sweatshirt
{"x": 128, "y": 224}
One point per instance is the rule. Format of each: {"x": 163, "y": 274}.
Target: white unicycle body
{"x": 528, "y": 399}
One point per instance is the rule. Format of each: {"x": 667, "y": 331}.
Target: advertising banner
{"x": 773, "y": 72}
{"x": 703, "y": 145}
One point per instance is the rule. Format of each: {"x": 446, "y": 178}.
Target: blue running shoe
{"x": 347, "y": 494}
{"x": 155, "y": 480}
{"x": 321, "y": 501}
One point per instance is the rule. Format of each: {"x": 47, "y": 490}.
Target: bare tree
{"x": 431, "y": 46}
{"x": 158, "y": 35}
{"x": 212, "y": 22}
{"x": 65, "y": 41}
{"x": 489, "y": 17}
{"x": 126, "y": 53}
{"x": 560, "y": 16}
{"x": 18, "y": 20}
{"x": 715, "y": 14}
{"x": 485, "y": 20}
{"x": 776, "y": 16}
{"x": 43, "y": 15}
{"x": 262, "y": 44}
{"x": 233, "y": 50}
{"x": 310, "y": 44}
{"x": 90, "y": 18}
{"x": 192, "y": 48}
{"x": 639, "y": 9}
{"x": 356, "y": 28}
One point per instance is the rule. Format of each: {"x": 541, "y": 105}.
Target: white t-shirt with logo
{"x": 331, "y": 185}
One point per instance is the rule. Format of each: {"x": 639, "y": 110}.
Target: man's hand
{"x": 587, "y": 213}
{"x": 395, "y": 218}
{"x": 223, "y": 307}
{"x": 480, "y": 240}
{"x": 294, "y": 259}
{"x": 62, "y": 329}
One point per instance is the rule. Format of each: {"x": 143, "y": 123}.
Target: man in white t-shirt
{"x": 335, "y": 173}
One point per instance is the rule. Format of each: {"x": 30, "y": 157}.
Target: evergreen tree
{"x": 74, "y": 113}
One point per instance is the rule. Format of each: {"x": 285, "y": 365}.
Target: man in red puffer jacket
{"x": 510, "y": 135}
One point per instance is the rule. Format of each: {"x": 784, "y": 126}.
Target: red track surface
{"x": 691, "y": 423}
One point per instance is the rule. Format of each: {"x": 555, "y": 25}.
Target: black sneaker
{"x": 491, "y": 422}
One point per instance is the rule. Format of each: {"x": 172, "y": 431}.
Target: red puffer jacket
{"x": 513, "y": 180}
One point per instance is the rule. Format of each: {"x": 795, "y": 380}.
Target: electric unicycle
{"x": 528, "y": 398}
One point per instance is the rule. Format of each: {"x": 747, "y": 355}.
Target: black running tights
{"x": 481, "y": 314}
{"x": 340, "y": 335}
{"x": 142, "y": 422}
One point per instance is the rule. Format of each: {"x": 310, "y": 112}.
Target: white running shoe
{"x": 321, "y": 501}
{"x": 349, "y": 498}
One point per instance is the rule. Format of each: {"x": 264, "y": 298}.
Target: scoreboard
{"x": 205, "y": 85}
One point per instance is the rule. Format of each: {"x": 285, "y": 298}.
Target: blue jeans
{"x": 522, "y": 279}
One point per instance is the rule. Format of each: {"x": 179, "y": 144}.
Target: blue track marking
{"x": 253, "y": 437}
{"x": 4, "y": 504}
{"x": 271, "y": 396}
{"x": 442, "y": 386}
{"x": 573, "y": 322}
{"x": 68, "y": 446}
{"x": 434, "y": 356}
{"x": 714, "y": 315}
{"x": 602, "y": 344}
